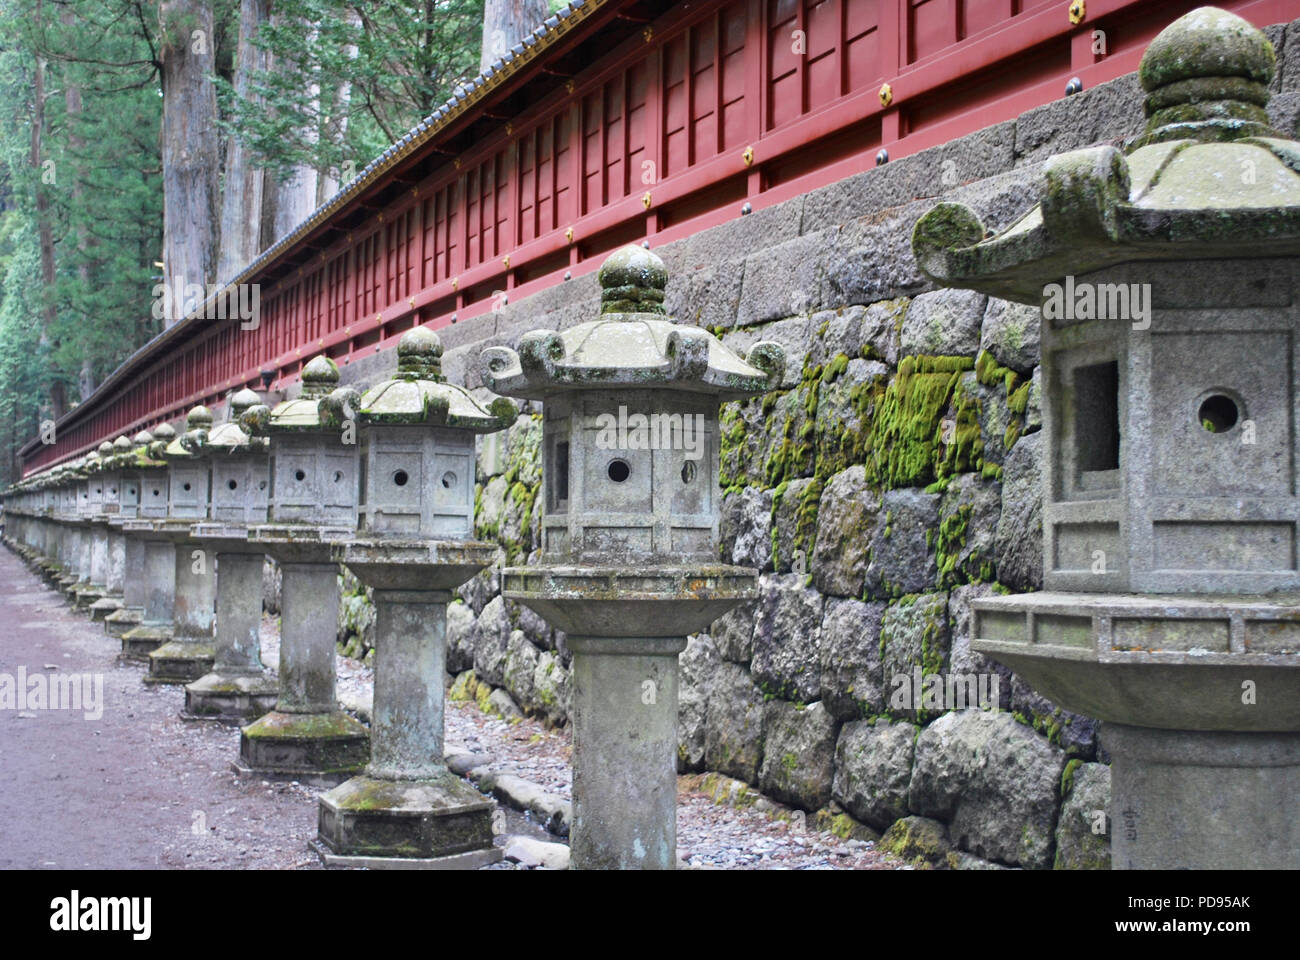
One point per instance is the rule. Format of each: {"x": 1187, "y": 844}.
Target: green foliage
{"x": 80, "y": 170}
{"x": 362, "y": 75}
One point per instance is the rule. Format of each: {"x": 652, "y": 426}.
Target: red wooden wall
{"x": 648, "y": 141}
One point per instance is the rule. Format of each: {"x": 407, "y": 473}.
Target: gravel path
{"x": 137, "y": 787}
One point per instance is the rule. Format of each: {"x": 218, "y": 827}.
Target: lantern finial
{"x": 1206, "y": 77}
{"x": 632, "y": 280}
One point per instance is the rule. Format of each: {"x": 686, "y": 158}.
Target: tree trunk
{"x": 335, "y": 124}
{"x": 85, "y": 242}
{"x": 190, "y": 151}
{"x": 45, "y": 230}
{"x": 294, "y": 197}
{"x": 505, "y": 23}
{"x": 241, "y": 198}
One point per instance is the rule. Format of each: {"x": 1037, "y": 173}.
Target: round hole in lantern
{"x": 299, "y": 475}
{"x": 262, "y": 485}
{"x": 338, "y": 476}
{"x": 449, "y": 480}
{"x": 155, "y": 493}
{"x": 1218, "y": 413}
{"x": 400, "y": 478}
{"x": 688, "y": 471}
{"x": 618, "y": 470}
{"x": 232, "y": 484}
{"x": 185, "y": 487}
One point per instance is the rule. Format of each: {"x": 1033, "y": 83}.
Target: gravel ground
{"x": 140, "y": 788}
{"x": 709, "y": 835}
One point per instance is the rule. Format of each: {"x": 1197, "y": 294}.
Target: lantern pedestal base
{"x": 426, "y": 820}
{"x": 121, "y": 620}
{"x": 457, "y": 861}
{"x": 1197, "y": 699}
{"x": 83, "y": 597}
{"x": 328, "y": 747}
{"x": 230, "y": 697}
{"x": 180, "y": 661}
{"x": 139, "y": 642}
{"x": 101, "y": 608}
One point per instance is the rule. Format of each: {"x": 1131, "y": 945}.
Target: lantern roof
{"x": 1207, "y": 179}
{"x": 418, "y": 393}
{"x": 322, "y": 405}
{"x": 633, "y": 344}
{"x": 197, "y": 423}
{"x": 232, "y": 437}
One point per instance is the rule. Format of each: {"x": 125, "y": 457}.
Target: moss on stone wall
{"x": 907, "y": 430}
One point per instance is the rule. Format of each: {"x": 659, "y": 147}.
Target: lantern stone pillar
{"x": 630, "y": 538}
{"x": 188, "y": 654}
{"x": 111, "y": 456}
{"x": 238, "y": 688}
{"x": 138, "y": 470}
{"x": 158, "y": 558}
{"x": 76, "y": 568}
{"x": 413, "y": 549}
{"x": 313, "y": 505}
{"x": 1171, "y": 601}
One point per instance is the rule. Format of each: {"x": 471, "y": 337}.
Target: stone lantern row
{"x": 1170, "y": 511}
{"x": 163, "y": 537}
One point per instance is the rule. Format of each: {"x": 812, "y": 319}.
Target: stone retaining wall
{"x": 892, "y": 478}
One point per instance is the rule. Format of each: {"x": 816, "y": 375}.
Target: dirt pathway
{"x": 136, "y": 787}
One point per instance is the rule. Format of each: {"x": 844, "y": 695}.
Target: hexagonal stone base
{"x": 303, "y": 745}
{"x": 121, "y": 620}
{"x": 457, "y": 861}
{"x": 230, "y": 697}
{"x": 180, "y": 661}
{"x": 101, "y": 608}
{"x": 85, "y": 596}
{"x": 425, "y": 819}
{"x": 139, "y": 642}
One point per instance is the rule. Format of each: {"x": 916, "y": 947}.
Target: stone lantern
{"x": 141, "y": 477}
{"x": 155, "y": 626}
{"x": 188, "y": 654}
{"x": 414, "y": 547}
{"x": 94, "y": 530}
{"x": 106, "y": 552}
{"x": 313, "y": 505}
{"x": 1167, "y": 274}
{"x": 238, "y": 688}
{"x": 54, "y": 490}
{"x": 629, "y": 538}
{"x": 77, "y": 523}
{"x": 118, "y": 506}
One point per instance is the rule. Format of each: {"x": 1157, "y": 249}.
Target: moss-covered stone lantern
{"x": 147, "y": 588}
{"x": 106, "y": 560}
{"x": 238, "y": 687}
{"x": 122, "y": 499}
{"x": 93, "y": 533}
{"x": 629, "y": 537}
{"x": 313, "y": 505}
{"x": 414, "y": 547}
{"x": 189, "y": 652}
{"x": 1168, "y": 278}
